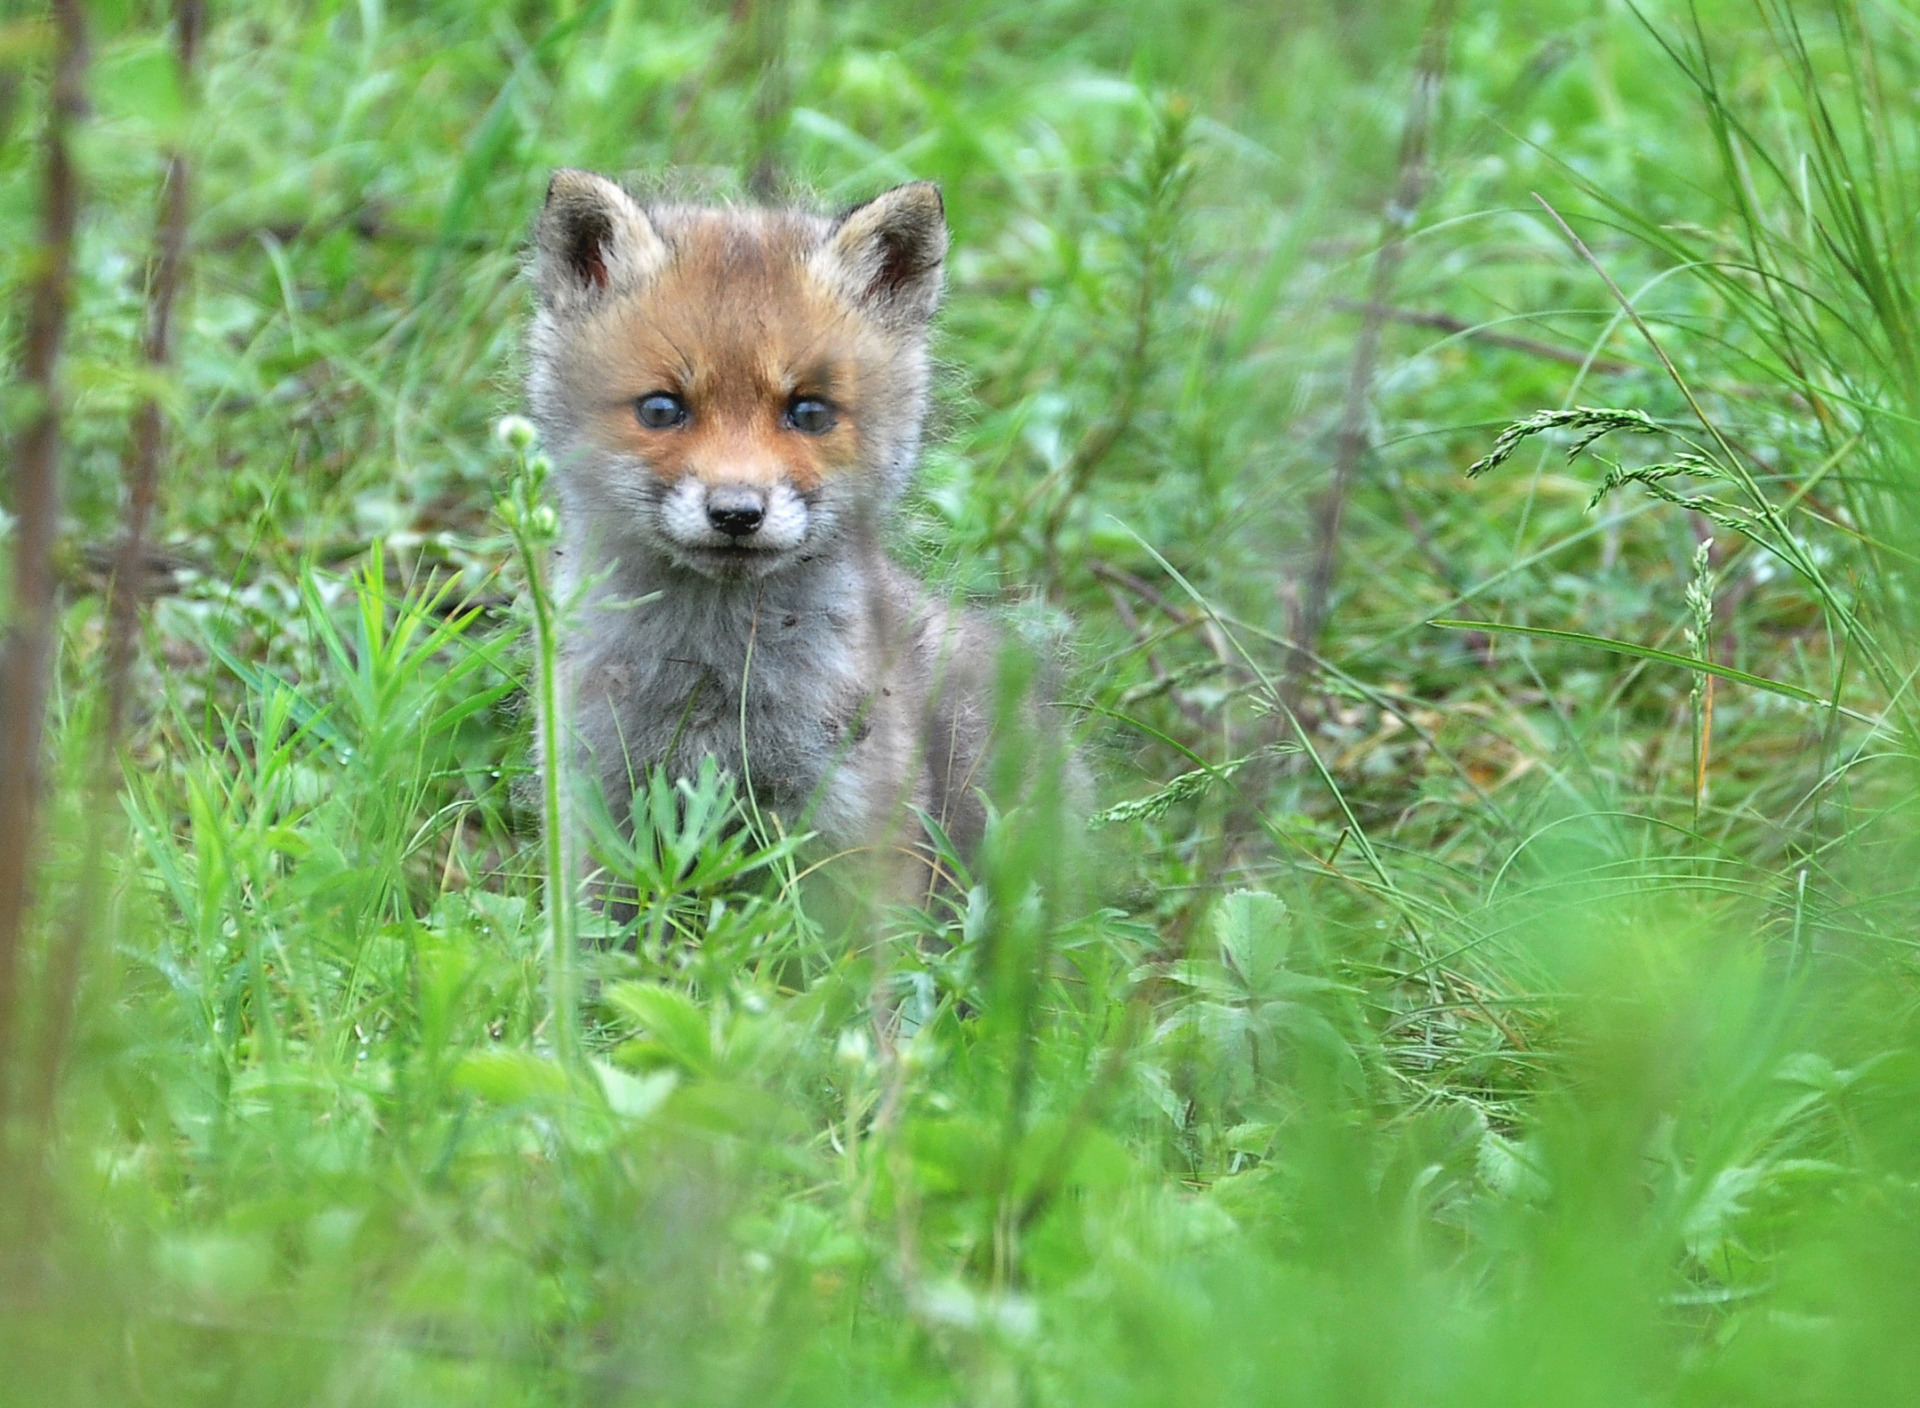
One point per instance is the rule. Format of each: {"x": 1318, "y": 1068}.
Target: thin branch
{"x": 1352, "y": 442}
{"x": 124, "y": 593}
{"x": 149, "y": 423}
{"x": 36, "y": 508}
{"x": 1163, "y": 682}
{"x": 1145, "y": 590}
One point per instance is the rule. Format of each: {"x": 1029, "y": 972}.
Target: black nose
{"x": 736, "y": 520}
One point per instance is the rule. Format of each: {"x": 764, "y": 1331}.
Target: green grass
{"x": 1517, "y": 1006}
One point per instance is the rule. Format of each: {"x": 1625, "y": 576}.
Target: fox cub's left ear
{"x": 890, "y": 254}
{"x": 593, "y": 239}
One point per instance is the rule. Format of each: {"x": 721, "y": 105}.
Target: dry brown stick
{"x": 1352, "y": 441}
{"x": 149, "y": 422}
{"x": 36, "y": 508}
{"x": 1460, "y": 327}
{"x": 142, "y": 473}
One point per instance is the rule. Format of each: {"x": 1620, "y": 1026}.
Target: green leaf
{"x": 1254, "y": 932}
{"x": 676, "y": 1025}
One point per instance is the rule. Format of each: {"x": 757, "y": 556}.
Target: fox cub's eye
{"x": 660, "y": 411}
{"x": 811, "y": 416}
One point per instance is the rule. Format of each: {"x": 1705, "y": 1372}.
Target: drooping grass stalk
{"x": 534, "y": 527}
{"x": 1769, "y": 526}
{"x": 1818, "y": 190}
{"x": 35, "y": 471}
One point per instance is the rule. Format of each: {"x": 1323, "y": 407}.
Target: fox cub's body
{"x": 733, "y": 402}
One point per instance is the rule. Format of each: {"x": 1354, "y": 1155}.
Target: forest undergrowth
{"x": 1467, "y": 459}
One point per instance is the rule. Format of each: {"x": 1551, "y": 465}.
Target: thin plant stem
{"x": 1786, "y": 545}
{"x": 533, "y": 526}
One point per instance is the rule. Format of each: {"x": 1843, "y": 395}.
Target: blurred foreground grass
{"x": 1459, "y": 1016}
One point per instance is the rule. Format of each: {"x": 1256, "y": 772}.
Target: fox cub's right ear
{"x": 593, "y": 239}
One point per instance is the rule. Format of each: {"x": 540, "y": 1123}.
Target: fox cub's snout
{"x": 733, "y": 385}
{"x": 732, "y": 399}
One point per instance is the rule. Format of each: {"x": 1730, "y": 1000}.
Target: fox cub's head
{"x": 731, "y": 388}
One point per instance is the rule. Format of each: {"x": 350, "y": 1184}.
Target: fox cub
{"x": 732, "y": 399}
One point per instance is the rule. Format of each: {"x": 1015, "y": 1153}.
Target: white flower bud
{"x": 515, "y": 433}
{"x": 853, "y": 1049}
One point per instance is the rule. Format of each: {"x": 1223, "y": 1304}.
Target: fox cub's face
{"x": 731, "y": 388}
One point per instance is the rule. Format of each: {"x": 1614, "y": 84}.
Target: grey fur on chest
{"x": 787, "y": 683}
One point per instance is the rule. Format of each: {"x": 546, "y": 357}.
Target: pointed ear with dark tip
{"x": 891, "y": 253}
{"x": 593, "y": 239}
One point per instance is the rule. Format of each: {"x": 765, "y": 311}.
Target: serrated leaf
{"x": 671, "y": 1018}
{"x": 1255, "y": 933}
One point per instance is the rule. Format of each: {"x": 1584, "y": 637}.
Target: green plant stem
{"x": 562, "y": 961}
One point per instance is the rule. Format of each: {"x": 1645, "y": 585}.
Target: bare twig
{"x": 1352, "y": 442}
{"x": 149, "y": 422}
{"x": 1147, "y": 592}
{"x": 131, "y": 565}
{"x": 36, "y": 507}
{"x": 1163, "y": 682}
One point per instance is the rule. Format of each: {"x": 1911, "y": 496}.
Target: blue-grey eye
{"x": 811, "y": 416}
{"x": 660, "y": 410}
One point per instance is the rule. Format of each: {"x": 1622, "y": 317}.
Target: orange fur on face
{"x": 738, "y": 328}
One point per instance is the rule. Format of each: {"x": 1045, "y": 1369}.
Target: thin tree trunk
{"x": 36, "y": 507}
